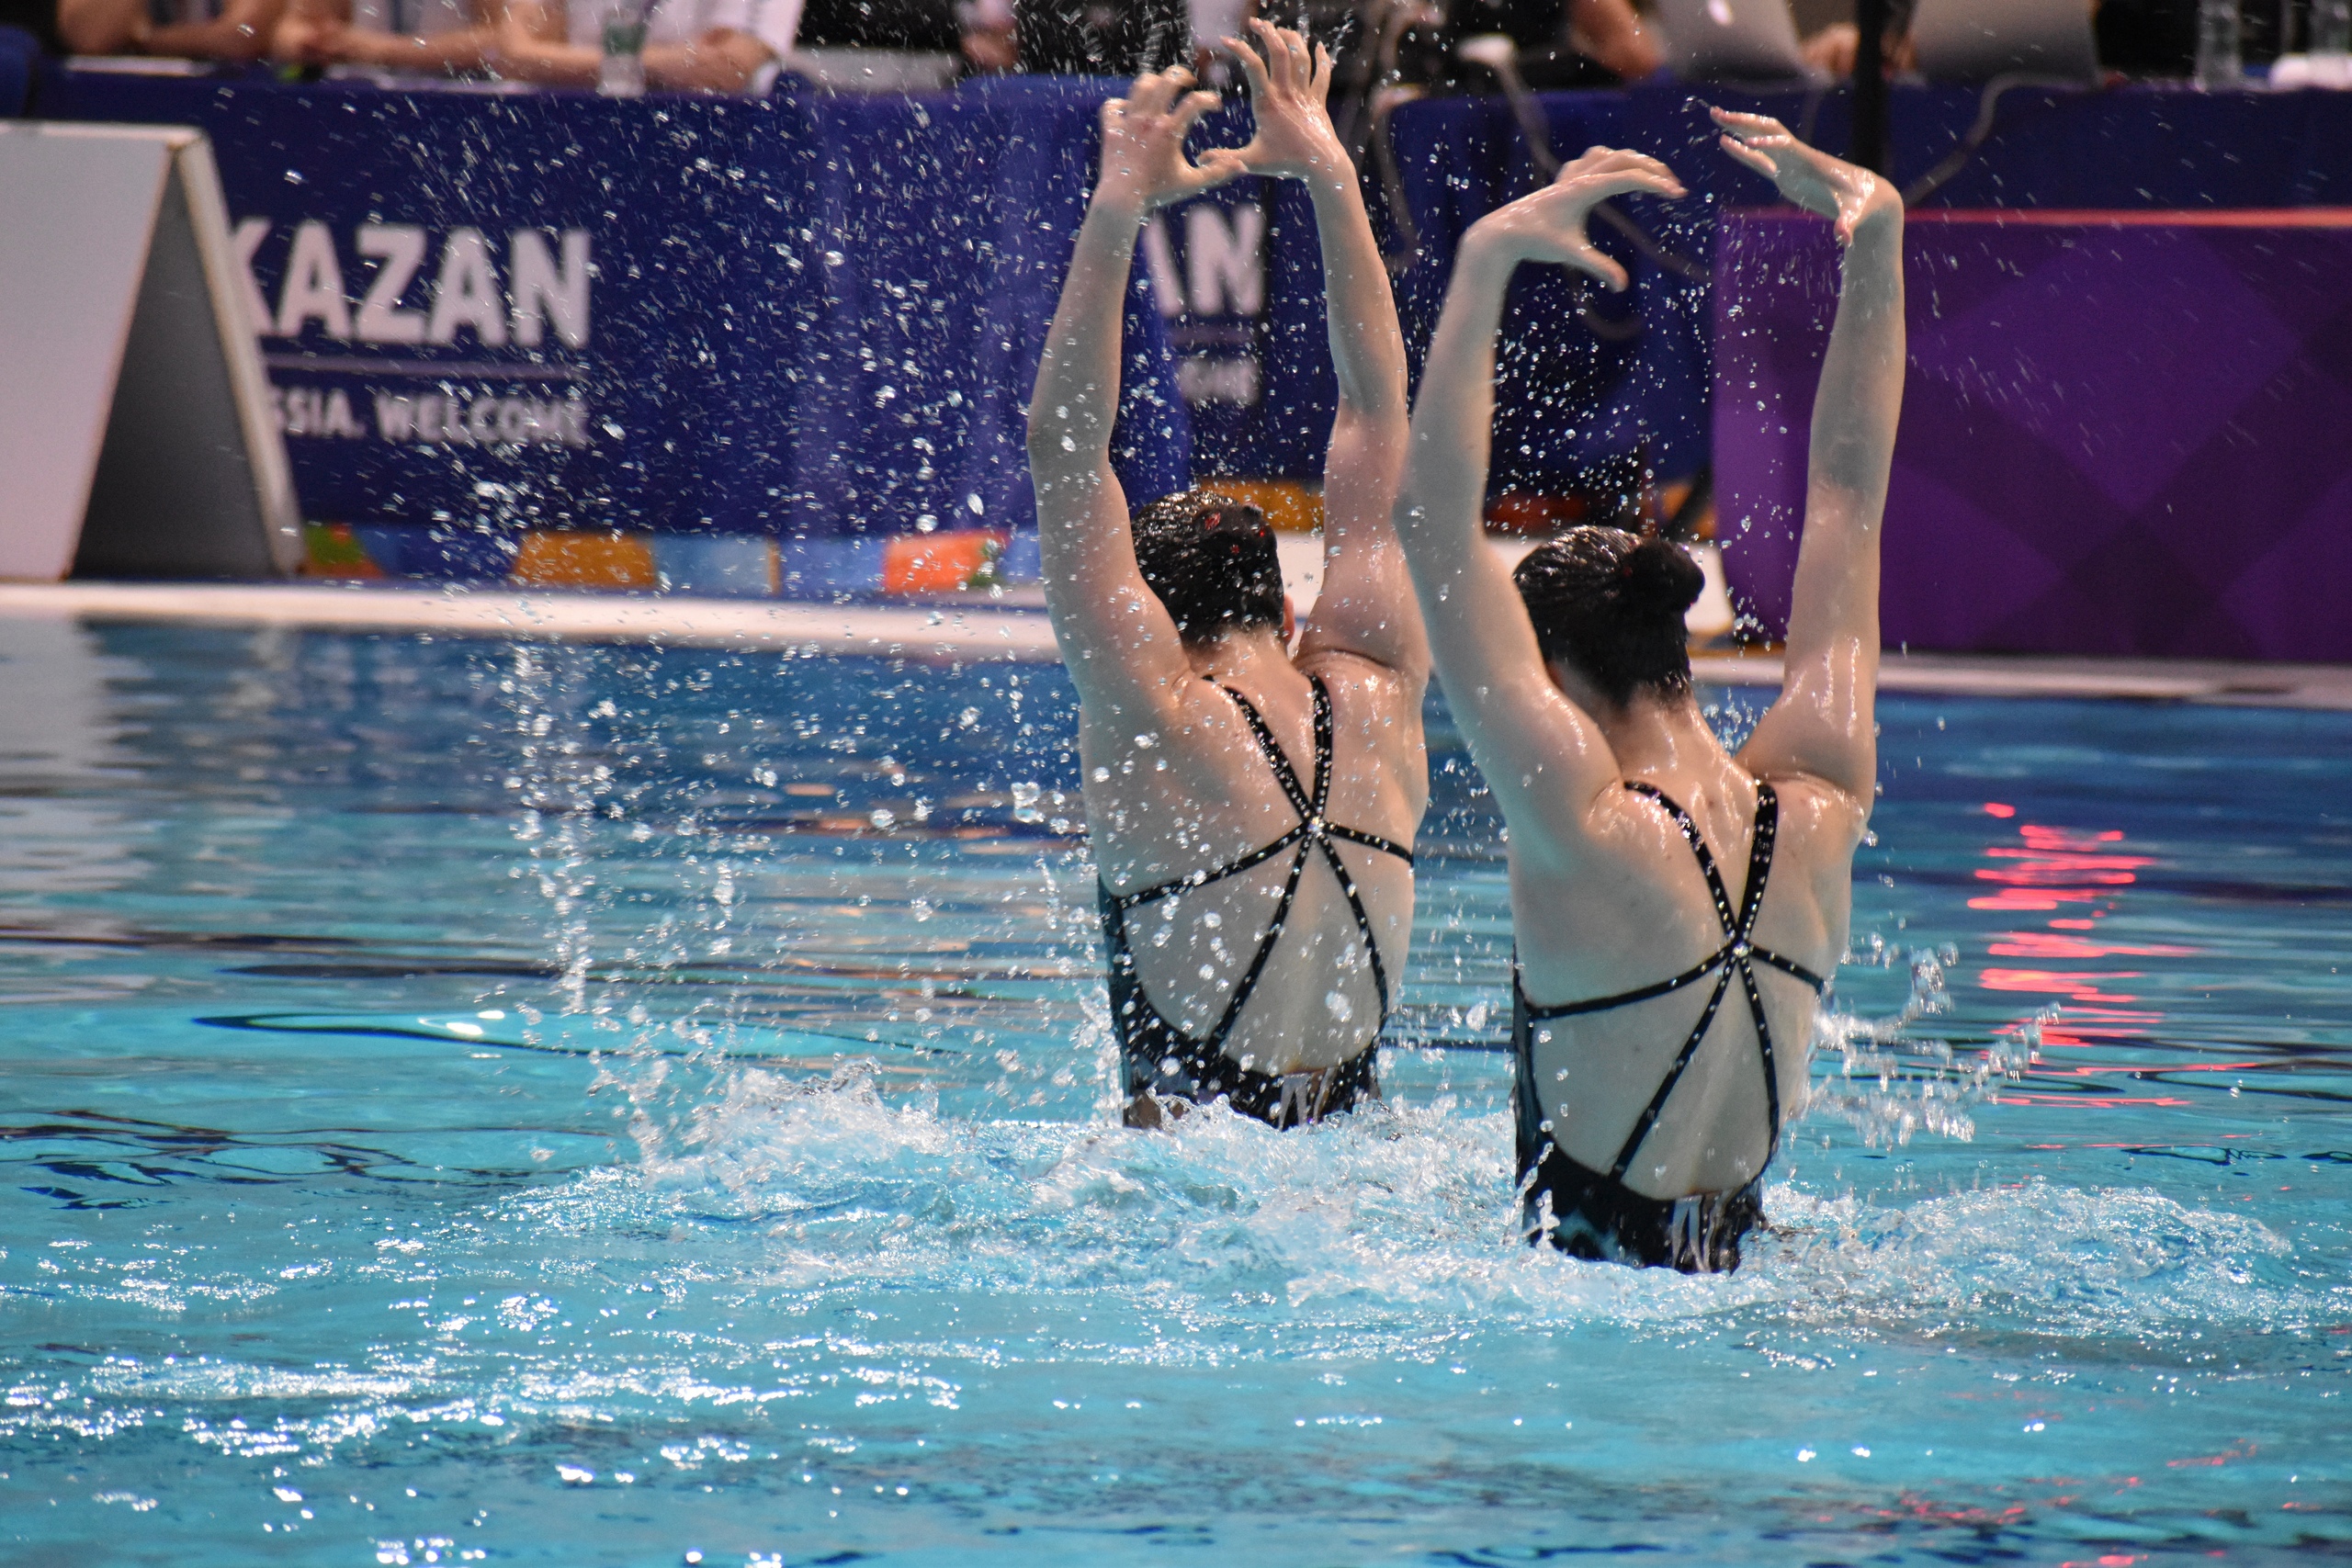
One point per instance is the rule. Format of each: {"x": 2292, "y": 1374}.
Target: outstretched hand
{"x": 1288, "y": 88}
{"x": 1847, "y": 195}
{"x": 1549, "y": 226}
{"x": 1143, "y": 143}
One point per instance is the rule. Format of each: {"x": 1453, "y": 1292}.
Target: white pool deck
{"x": 980, "y": 629}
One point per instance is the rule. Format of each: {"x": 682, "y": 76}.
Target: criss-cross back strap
{"x": 1760, "y": 843}
{"x": 1123, "y": 902}
{"x": 1315, "y": 825}
{"x": 1313, "y": 831}
{"x": 1735, "y": 956}
{"x": 1706, "y": 858}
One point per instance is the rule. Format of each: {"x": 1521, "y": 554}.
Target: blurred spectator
{"x": 986, "y": 26}
{"x": 2139, "y": 38}
{"x": 1560, "y": 42}
{"x": 1564, "y": 43}
{"x": 713, "y": 46}
{"x": 1832, "y": 50}
{"x": 38, "y": 17}
{"x": 188, "y": 29}
{"x": 1102, "y": 38}
{"x": 921, "y": 26}
{"x": 392, "y": 35}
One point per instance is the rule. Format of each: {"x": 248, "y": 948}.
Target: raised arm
{"x": 1822, "y": 725}
{"x": 1366, "y": 607}
{"x": 1115, "y": 636}
{"x": 1542, "y": 755}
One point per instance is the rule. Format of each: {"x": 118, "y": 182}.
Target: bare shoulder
{"x": 1370, "y": 680}
{"x": 1814, "y": 807}
{"x": 1384, "y": 706}
{"x": 1821, "y": 826}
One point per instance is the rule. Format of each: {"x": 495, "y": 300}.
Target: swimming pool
{"x": 478, "y": 1102}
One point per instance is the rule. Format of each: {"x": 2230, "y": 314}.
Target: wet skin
{"x": 1604, "y": 894}
{"x": 1174, "y": 782}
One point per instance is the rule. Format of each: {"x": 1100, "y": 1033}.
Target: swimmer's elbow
{"x": 1056, "y": 447}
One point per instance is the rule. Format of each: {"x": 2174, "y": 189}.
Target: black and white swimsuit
{"x": 1594, "y": 1215}
{"x": 1161, "y": 1059}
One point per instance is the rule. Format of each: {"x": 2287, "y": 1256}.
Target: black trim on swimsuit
{"x": 1594, "y": 1213}
{"x": 1161, "y": 1059}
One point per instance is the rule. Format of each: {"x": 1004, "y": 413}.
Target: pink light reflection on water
{"x": 2075, "y": 876}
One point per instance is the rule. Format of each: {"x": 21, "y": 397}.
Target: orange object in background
{"x": 1290, "y": 507}
{"x": 586, "y": 560}
{"x": 331, "y": 549}
{"x": 1534, "y": 516}
{"x": 942, "y": 563}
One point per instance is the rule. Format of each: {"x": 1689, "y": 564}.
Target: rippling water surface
{"x": 471, "y": 1101}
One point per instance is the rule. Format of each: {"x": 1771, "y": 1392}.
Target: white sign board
{"x": 135, "y": 430}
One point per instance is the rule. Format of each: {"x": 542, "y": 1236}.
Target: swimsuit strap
{"x": 1310, "y": 809}
{"x": 1123, "y": 902}
{"x": 1760, "y": 870}
{"x": 1284, "y": 775}
{"x": 1320, "y": 833}
{"x": 1734, "y": 956}
{"x": 1314, "y": 832}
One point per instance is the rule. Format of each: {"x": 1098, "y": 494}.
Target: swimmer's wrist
{"x": 1331, "y": 181}
{"x": 1116, "y": 200}
{"x": 1489, "y": 243}
{"x": 1881, "y": 223}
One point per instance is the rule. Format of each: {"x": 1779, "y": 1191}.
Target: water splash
{"x": 1894, "y": 1082}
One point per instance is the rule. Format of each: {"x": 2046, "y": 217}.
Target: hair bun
{"x": 1659, "y": 575}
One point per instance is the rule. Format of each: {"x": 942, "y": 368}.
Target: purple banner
{"x": 2123, "y": 433}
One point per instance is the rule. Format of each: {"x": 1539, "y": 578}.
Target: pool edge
{"x": 966, "y": 631}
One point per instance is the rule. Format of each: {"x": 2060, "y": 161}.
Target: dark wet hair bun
{"x": 1659, "y": 576}
{"x": 1212, "y": 561}
{"x": 1609, "y": 604}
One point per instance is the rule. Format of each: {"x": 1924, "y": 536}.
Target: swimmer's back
{"x": 1612, "y": 899}
{"x": 1201, "y": 794}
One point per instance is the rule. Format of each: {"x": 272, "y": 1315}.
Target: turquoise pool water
{"x": 471, "y": 1101}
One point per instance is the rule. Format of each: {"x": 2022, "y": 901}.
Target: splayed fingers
{"x": 1845, "y": 194}
{"x": 1289, "y": 81}
{"x": 1143, "y": 143}
{"x": 1549, "y": 226}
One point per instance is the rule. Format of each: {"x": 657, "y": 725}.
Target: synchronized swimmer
{"x": 1252, "y": 812}
{"x": 1678, "y": 907}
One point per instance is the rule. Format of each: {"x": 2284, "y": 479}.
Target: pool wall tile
{"x": 717, "y": 566}
{"x": 843, "y": 564}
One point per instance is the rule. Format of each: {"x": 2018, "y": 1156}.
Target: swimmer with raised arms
{"x": 1662, "y": 1008}
{"x": 1253, "y": 814}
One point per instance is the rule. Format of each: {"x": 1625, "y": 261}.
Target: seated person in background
{"x": 186, "y": 29}
{"x": 393, "y": 35}
{"x": 38, "y": 17}
{"x": 1101, "y": 38}
{"x": 2139, "y": 38}
{"x": 1832, "y": 50}
{"x": 711, "y": 45}
{"x": 986, "y": 35}
{"x": 916, "y": 27}
{"x": 1564, "y": 43}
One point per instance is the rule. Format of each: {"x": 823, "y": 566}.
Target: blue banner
{"x": 804, "y": 316}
